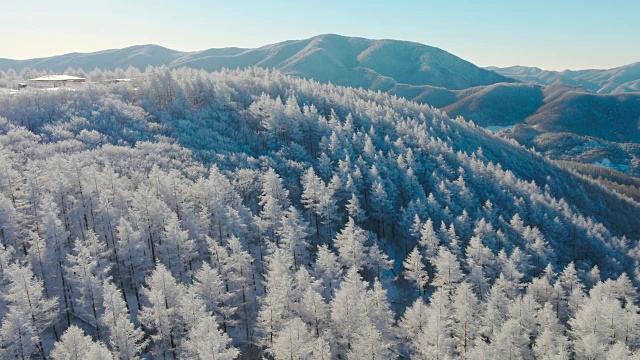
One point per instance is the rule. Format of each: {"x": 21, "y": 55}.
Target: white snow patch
{"x": 608, "y": 164}
{"x": 494, "y": 128}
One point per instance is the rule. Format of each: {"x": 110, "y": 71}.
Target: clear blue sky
{"x": 555, "y": 34}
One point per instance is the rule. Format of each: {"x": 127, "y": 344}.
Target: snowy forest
{"x": 244, "y": 214}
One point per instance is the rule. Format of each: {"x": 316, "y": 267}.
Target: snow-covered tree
{"x": 350, "y": 243}
{"x": 414, "y": 270}
{"x": 26, "y": 300}
{"x": 125, "y": 339}
{"x": 75, "y": 345}
{"x": 162, "y": 294}
{"x": 328, "y": 269}
{"x": 206, "y": 341}
{"x": 448, "y": 272}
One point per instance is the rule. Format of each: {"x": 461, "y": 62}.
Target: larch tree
{"x": 206, "y": 341}
{"x": 327, "y": 268}
{"x": 135, "y": 264}
{"x": 350, "y": 243}
{"x": 413, "y": 324}
{"x": 277, "y": 304}
{"x": 292, "y": 234}
{"x": 86, "y": 277}
{"x": 349, "y": 311}
{"x": 466, "y": 324}
{"x": 75, "y": 345}
{"x": 448, "y": 272}
{"x": 25, "y": 299}
{"x": 125, "y": 339}
{"x": 18, "y": 336}
{"x": 162, "y": 294}
{"x": 177, "y": 250}
{"x": 292, "y": 341}
{"x": 414, "y": 270}
{"x": 209, "y": 286}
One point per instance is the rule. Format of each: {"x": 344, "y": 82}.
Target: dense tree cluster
{"x": 246, "y": 214}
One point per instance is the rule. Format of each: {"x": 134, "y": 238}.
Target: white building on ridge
{"x": 52, "y": 81}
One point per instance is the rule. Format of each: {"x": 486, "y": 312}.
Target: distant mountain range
{"x": 554, "y": 108}
{"x": 600, "y": 104}
{"x": 348, "y": 61}
{"x": 618, "y": 80}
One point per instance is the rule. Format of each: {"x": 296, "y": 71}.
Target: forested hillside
{"x": 248, "y": 214}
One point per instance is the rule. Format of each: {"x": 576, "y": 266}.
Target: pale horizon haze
{"x": 554, "y": 35}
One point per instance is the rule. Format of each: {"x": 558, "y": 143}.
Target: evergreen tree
{"x": 26, "y": 301}
{"x": 75, "y": 345}
{"x": 125, "y": 339}
{"x": 414, "y": 270}
{"x": 328, "y": 270}
{"x": 162, "y": 294}
{"x": 448, "y": 272}
{"x": 350, "y": 243}
{"x": 206, "y": 341}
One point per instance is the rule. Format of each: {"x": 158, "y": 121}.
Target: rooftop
{"x": 58, "y": 78}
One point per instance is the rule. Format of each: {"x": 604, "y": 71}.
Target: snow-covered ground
{"x": 494, "y": 128}
{"x": 608, "y": 164}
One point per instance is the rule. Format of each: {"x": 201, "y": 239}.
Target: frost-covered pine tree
{"x": 466, "y": 322}
{"x": 292, "y": 234}
{"x": 205, "y": 341}
{"x": 292, "y": 341}
{"x": 125, "y": 339}
{"x": 24, "y": 296}
{"x": 369, "y": 343}
{"x": 273, "y": 200}
{"x": 277, "y": 304}
{"x": 328, "y": 269}
{"x": 177, "y": 250}
{"x": 240, "y": 273}
{"x": 350, "y": 243}
{"x": 413, "y": 323}
{"x": 429, "y": 243}
{"x": 210, "y": 287}
{"x": 313, "y": 189}
{"x": 75, "y": 345}
{"x": 86, "y": 276}
{"x": 349, "y": 311}
{"x": 448, "y": 272}
{"x": 18, "y": 336}
{"x": 414, "y": 270}
{"x": 355, "y": 210}
{"x": 436, "y": 342}
{"x": 135, "y": 263}
{"x": 380, "y": 314}
{"x": 162, "y": 294}
{"x": 312, "y": 307}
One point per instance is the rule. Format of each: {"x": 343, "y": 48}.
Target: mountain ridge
{"x": 621, "y": 79}
{"x": 348, "y": 61}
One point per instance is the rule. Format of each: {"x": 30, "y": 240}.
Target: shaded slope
{"x": 610, "y": 117}
{"x": 605, "y": 81}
